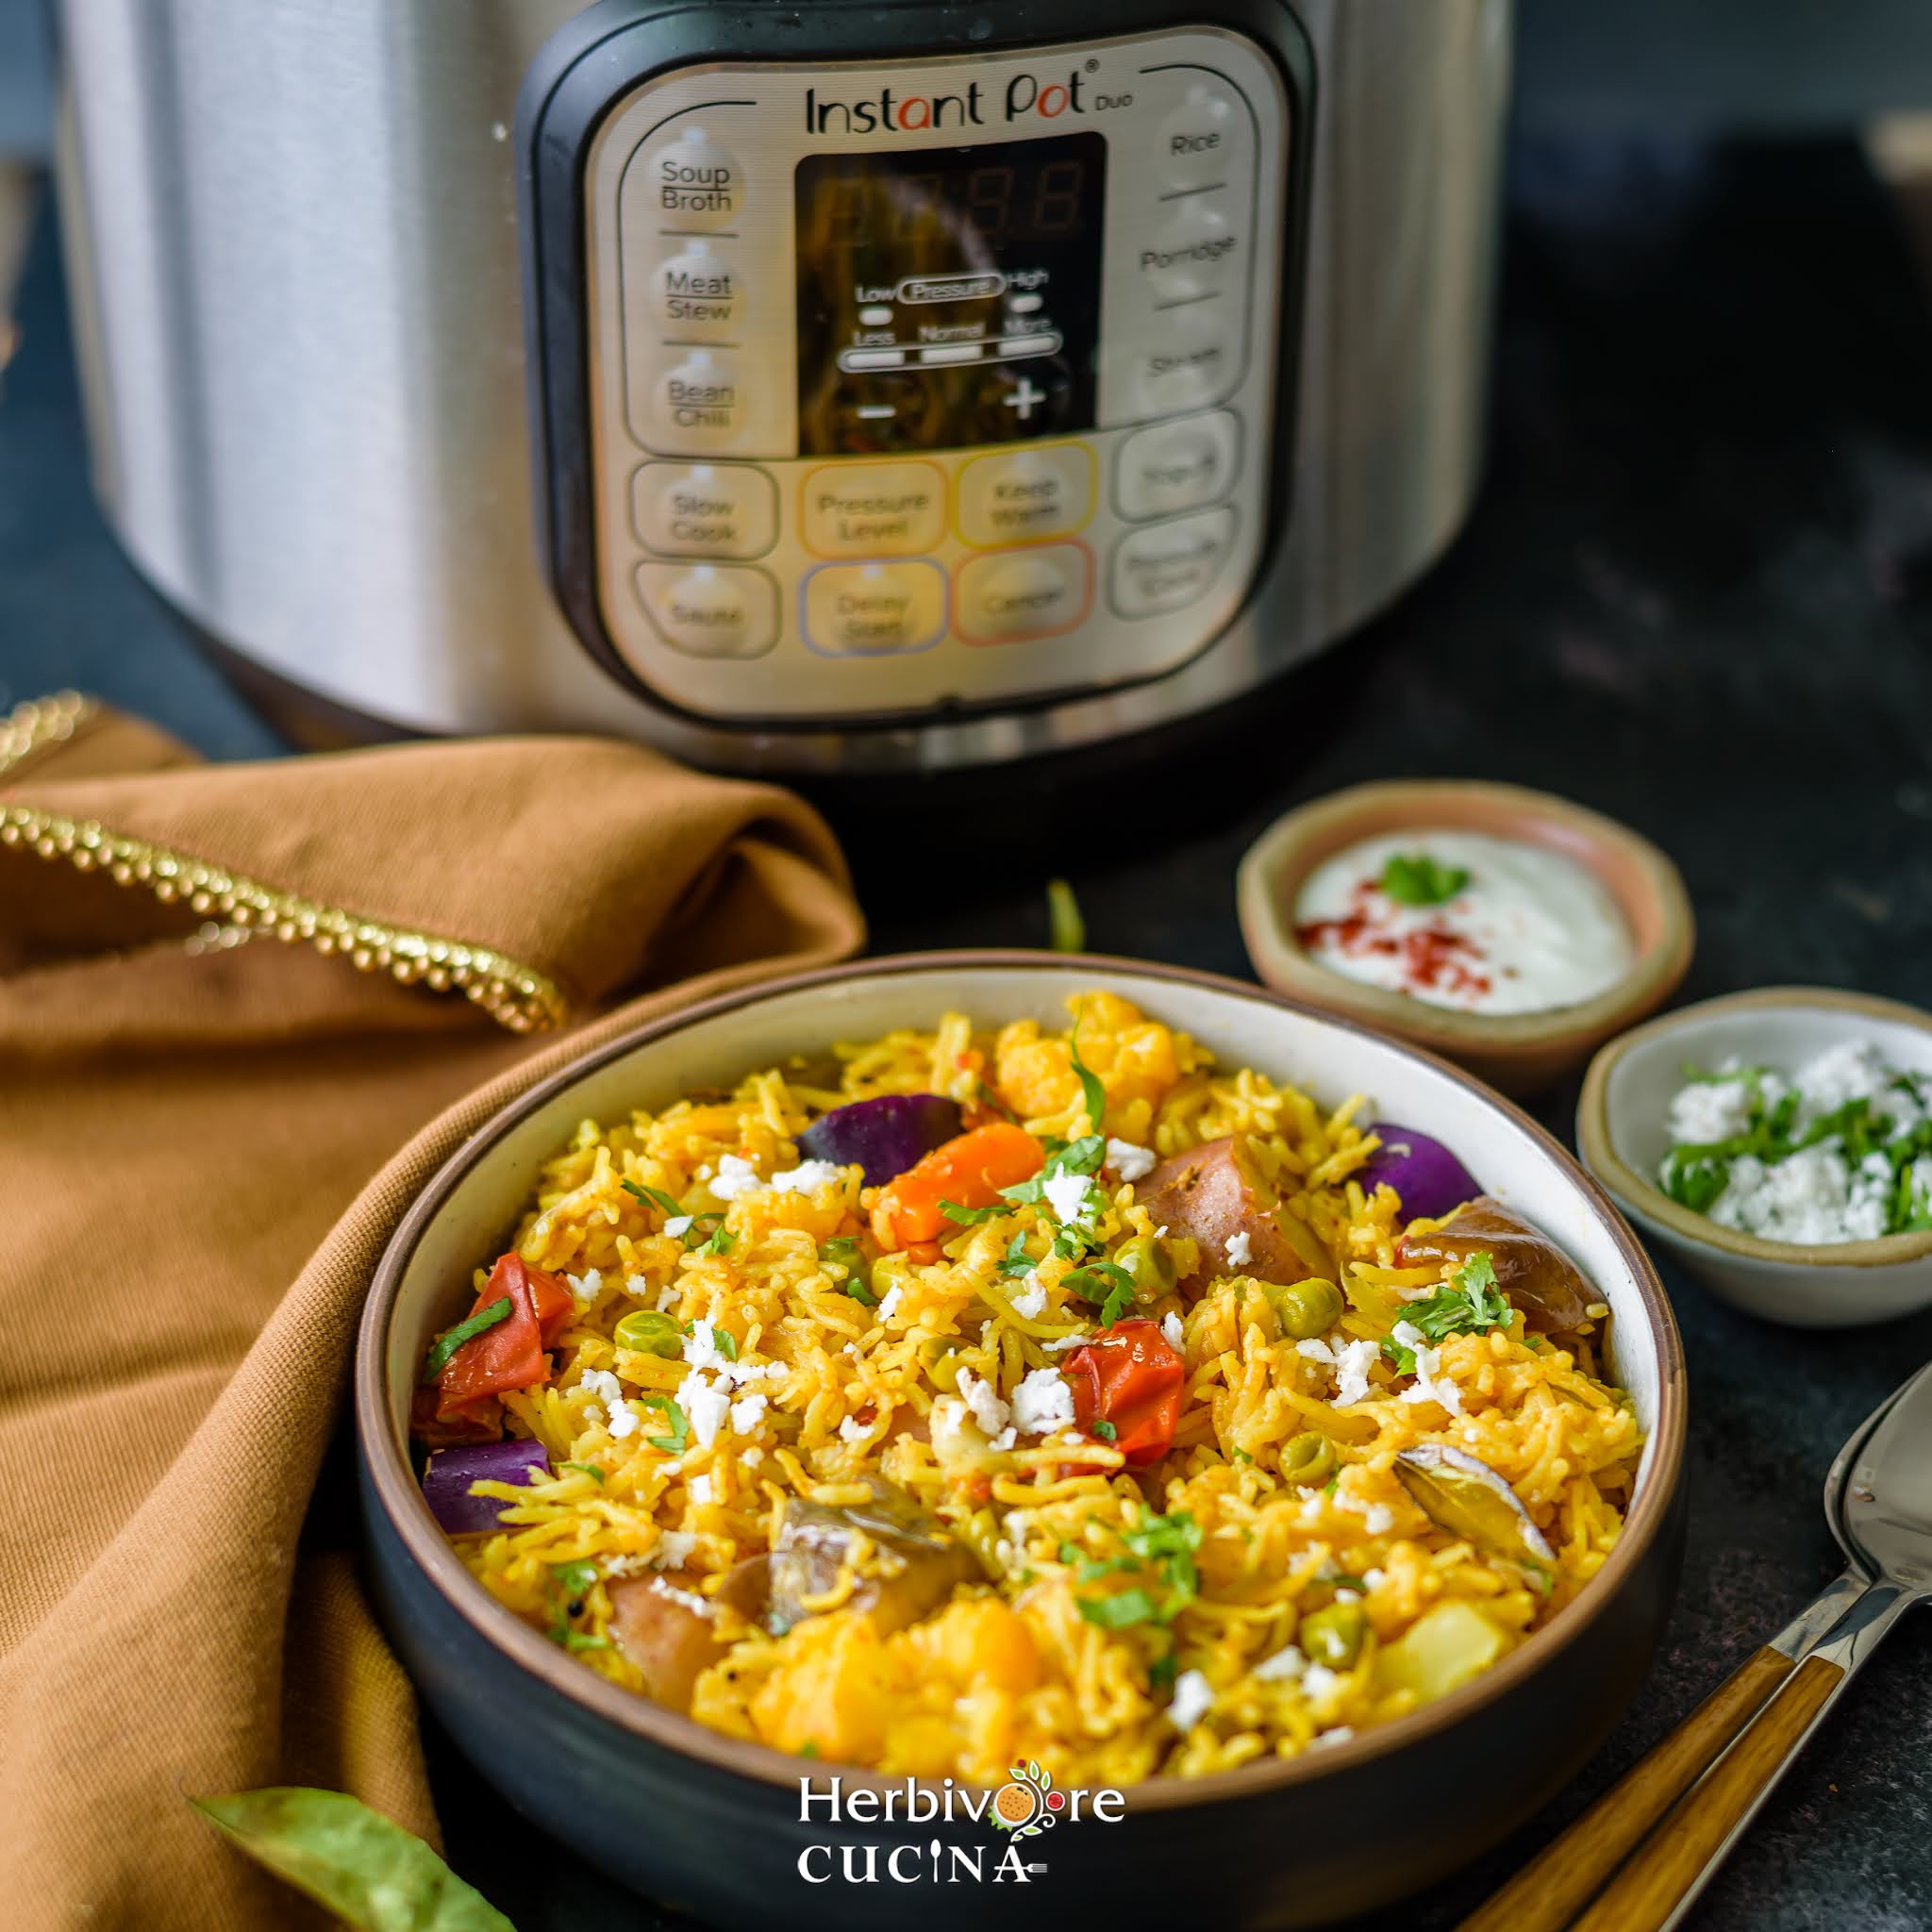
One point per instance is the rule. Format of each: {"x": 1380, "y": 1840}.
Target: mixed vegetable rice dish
{"x": 971, "y": 1397}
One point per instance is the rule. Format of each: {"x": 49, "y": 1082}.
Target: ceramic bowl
{"x": 1517, "y": 1052}
{"x": 713, "y": 1825}
{"x": 1619, "y": 1129}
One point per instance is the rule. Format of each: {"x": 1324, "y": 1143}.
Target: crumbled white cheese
{"x": 1351, "y": 1365}
{"x": 1373, "y": 1578}
{"x": 673, "y": 1549}
{"x": 1283, "y": 1665}
{"x": 679, "y": 1224}
{"x": 1319, "y": 1682}
{"x": 888, "y": 1302}
{"x": 734, "y": 1177}
{"x": 1066, "y": 1194}
{"x": 586, "y": 1287}
{"x": 853, "y": 1430}
{"x": 619, "y": 1418}
{"x": 1715, "y": 1110}
{"x": 1176, "y": 1336}
{"x": 1378, "y": 1519}
{"x": 1239, "y": 1249}
{"x": 748, "y": 1414}
{"x": 1431, "y": 1384}
{"x": 624, "y": 1422}
{"x": 808, "y": 1177}
{"x": 1194, "y": 1698}
{"x": 689, "y": 1599}
{"x": 1348, "y": 1596}
{"x": 1042, "y": 1403}
{"x": 1335, "y": 1734}
{"x": 1315, "y": 1350}
{"x": 702, "y": 1490}
{"x": 1030, "y": 1303}
{"x": 983, "y": 1400}
{"x": 1130, "y": 1162}
{"x": 706, "y": 1405}
{"x": 668, "y": 1298}
{"x": 751, "y": 1457}
{"x": 1077, "y": 1339}
{"x": 1005, "y": 1439}
{"x": 701, "y": 1348}
{"x": 1808, "y": 1196}
{"x": 637, "y": 1285}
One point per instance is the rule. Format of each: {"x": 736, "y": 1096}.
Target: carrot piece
{"x": 969, "y": 1169}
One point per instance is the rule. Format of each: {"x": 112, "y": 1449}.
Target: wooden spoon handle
{"x": 1646, "y": 1892}
{"x": 1546, "y": 1894}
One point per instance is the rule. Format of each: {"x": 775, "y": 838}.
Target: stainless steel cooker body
{"x": 396, "y": 391}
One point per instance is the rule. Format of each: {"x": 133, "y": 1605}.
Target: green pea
{"x": 1150, "y": 1265}
{"x": 1333, "y": 1636}
{"x": 941, "y": 1357}
{"x": 650, "y": 1333}
{"x": 1305, "y": 1309}
{"x": 1307, "y": 1460}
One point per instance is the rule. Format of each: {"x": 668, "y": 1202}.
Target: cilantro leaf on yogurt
{"x": 1413, "y": 879}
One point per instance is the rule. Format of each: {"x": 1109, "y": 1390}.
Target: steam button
{"x": 1193, "y": 358}
{"x": 691, "y": 182}
{"x": 1193, "y": 145}
{"x": 710, "y": 610}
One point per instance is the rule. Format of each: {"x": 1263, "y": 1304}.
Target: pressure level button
{"x": 691, "y": 182}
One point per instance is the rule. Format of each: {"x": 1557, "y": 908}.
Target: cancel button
{"x": 1015, "y": 595}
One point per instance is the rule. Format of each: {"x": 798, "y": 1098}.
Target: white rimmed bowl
{"x": 1620, "y": 1131}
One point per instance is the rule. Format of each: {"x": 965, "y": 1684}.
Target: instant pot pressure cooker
{"x": 826, "y": 388}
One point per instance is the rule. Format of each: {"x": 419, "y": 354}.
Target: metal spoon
{"x": 1716, "y": 1768}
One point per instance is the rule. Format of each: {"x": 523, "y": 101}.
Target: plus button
{"x": 1024, "y": 397}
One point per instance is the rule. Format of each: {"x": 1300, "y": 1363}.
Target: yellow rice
{"x": 1011, "y": 1670}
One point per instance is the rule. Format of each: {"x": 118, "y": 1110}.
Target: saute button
{"x": 1031, "y": 494}
{"x": 1023, "y": 593}
{"x": 1166, "y": 565}
{"x": 1192, "y": 145}
{"x": 866, "y": 609}
{"x": 1190, "y": 256}
{"x": 709, "y": 610}
{"x": 705, "y": 509}
{"x": 697, "y": 293}
{"x": 1177, "y": 466}
{"x": 874, "y": 509}
{"x": 690, "y": 182}
{"x": 700, "y": 403}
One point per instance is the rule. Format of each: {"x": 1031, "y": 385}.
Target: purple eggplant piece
{"x": 446, "y": 1481}
{"x": 885, "y": 1136}
{"x": 1426, "y": 1175}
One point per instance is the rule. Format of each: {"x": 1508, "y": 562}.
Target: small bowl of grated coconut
{"x": 1779, "y": 1144}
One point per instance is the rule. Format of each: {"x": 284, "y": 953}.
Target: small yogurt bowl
{"x": 1623, "y": 1135}
{"x": 1516, "y": 1051}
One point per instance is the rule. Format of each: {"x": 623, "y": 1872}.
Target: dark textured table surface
{"x": 1695, "y": 595}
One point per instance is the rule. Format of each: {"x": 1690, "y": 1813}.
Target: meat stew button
{"x": 705, "y": 509}
{"x": 710, "y": 610}
{"x": 868, "y": 609}
{"x": 1036, "y": 593}
{"x": 1166, "y": 565}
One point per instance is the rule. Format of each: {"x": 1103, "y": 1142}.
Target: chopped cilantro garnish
{"x": 585, "y": 1469}
{"x": 1165, "y": 1545}
{"x": 1160, "y": 1673}
{"x": 1104, "y": 1429}
{"x": 1469, "y": 1303}
{"x": 1092, "y": 1093}
{"x": 673, "y": 1444}
{"x": 970, "y": 1217}
{"x": 652, "y": 1197}
{"x": 1066, "y": 930}
{"x": 860, "y": 1294}
{"x": 1121, "y": 1610}
{"x": 808, "y": 1749}
{"x": 1404, "y": 1358}
{"x": 724, "y": 1342}
{"x": 720, "y": 1242}
{"x": 569, "y": 1584}
{"x": 1017, "y": 1261}
{"x": 1086, "y": 1154}
{"x": 438, "y": 1358}
{"x": 842, "y": 1249}
{"x": 1416, "y": 879}
{"x": 1106, "y": 1283}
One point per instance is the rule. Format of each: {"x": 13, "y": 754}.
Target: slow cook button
{"x": 1177, "y": 466}
{"x": 1192, "y": 147}
{"x": 874, "y": 509}
{"x": 699, "y": 403}
{"x": 705, "y": 509}
{"x": 1191, "y": 255}
{"x": 690, "y": 182}
{"x": 710, "y": 610}
{"x": 1192, "y": 360}
{"x": 1028, "y": 496}
{"x": 1168, "y": 565}
{"x": 868, "y": 609}
{"x": 697, "y": 293}
{"x": 1036, "y": 593}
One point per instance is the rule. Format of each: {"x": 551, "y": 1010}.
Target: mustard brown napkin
{"x": 228, "y": 996}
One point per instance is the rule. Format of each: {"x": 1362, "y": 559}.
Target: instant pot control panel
{"x": 921, "y": 384}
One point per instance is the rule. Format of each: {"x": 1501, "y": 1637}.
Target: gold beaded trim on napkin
{"x": 514, "y": 995}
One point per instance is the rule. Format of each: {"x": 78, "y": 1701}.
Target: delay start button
{"x": 871, "y": 609}
{"x": 1164, "y": 566}
{"x": 1014, "y": 594}
{"x": 1029, "y": 494}
{"x": 874, "y": 509}
{"x": 710, "y": 610}
{"x": 705, "y": 509}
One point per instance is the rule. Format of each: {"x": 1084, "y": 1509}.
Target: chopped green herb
{"x": 582, "y": 1640}
{"x": 1160, "y": 1673}
{"x": 1239, "y": 1454}
{"x": 1166, "y": 1545}
{"x": 1092, "y": 1095}
{"x": 1104, "y": 1429}
{"x": 1070, "y": 1553}
{"x": 809, "y": 1749}
{"x": 1106, "y": 1283}
{"x": 1416, "y": 879}
{"x": 673, "y": 1444}
{"x": 585, "y": 1469}
{"x": 573, "y": 1579}
{"x": 652, "y": 1197}
{"x": 720, "y": 1242}
{"x": 1404, "y": 1358}
{"x": 970, "y": 1217}
{"x": 438, "y": 1358}
{"x": 1017, "y": 1261}
{"x": 860, "y": 1294}
{"x": 1470, "y": 1304}
{"x": 724, "y": 1342}
{"x": 1066, "y": 930}
{"x": 842, "y": 1250}
{"x": 1121, "y": 1610}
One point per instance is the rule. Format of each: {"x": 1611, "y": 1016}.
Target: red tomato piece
{"x": 509, "y": 1352}
{"x": 1129, "y": 1376}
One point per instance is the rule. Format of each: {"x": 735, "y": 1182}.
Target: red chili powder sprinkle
{"x": 1433, "y": 957}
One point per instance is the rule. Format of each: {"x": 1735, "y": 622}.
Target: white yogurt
{"x": 1529, "y": 931}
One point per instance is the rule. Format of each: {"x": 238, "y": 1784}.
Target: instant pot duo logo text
{"x": 1027, "y": 96}
{"x": 1025, "y": 1807}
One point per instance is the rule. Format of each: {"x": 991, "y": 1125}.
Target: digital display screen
{"x": 948, "y": 296}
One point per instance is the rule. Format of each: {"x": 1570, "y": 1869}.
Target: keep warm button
{"x": 1026, "y": 495}
{"x": 874, "y": 509}
{"x": 1165, "y": 566}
